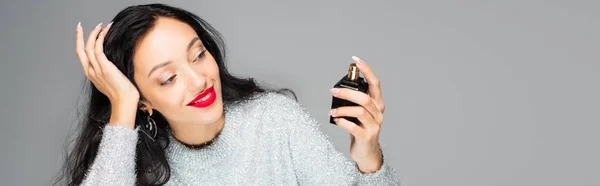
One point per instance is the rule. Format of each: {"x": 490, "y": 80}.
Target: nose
{"x": 195, "y": 81}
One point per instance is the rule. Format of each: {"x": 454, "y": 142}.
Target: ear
{"x": 145, "y": 106}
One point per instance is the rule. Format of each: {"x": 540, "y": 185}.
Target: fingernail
{"x": 109, "y": 24}
{"x": 78, "y": 26}
{"x": 331, "y": 112}
{"x": 358, "y": 60}
{"x": 334, "y": 90}
{"x": 99, "y": 25}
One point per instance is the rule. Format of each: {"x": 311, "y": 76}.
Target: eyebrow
{"x": 169, "y": 62}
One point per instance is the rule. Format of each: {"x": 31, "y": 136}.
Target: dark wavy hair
{"x": 129, "y": 26}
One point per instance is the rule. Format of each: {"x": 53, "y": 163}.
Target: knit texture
{"x": 269, "y": 140}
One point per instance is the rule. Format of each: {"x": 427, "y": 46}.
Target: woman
{"x": 163, "y": 109}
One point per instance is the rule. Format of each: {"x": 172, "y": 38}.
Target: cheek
{"x": 213, "y": 67}
{"x": 215, "y": 71}
{"x": 214, "y": 74}
{"x": 170, "y": 98}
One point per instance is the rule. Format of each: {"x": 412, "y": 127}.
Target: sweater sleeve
{"x": 317, "y": 162}
{"x": 115, "y": 162}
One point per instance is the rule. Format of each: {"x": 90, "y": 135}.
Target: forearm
{"x": 123, "y": 113}
{"x": 317, "y": 161}
{"x": 115, "y": 162}
{"x": 386, "y": 175}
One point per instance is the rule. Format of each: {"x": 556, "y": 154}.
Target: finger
{"x": 359, "y": 98}
{"x": 92, "y": 75}
{"x": 372, "y": 80}
{"x": 79, "y": 49}
{"x": 350, "y": 127}
{"x": 358, "y": 112}
{"x": 89, "y": 47}
{"x": 99, "y": 48}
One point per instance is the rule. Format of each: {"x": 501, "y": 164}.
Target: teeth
{"x": 204, "y": 98}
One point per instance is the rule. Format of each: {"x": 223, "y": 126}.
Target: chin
{"x": 213, "y": 113}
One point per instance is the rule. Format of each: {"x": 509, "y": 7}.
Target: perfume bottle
{"x": 351, "y": 81}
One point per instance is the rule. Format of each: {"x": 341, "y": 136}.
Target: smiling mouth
{"x": 203, "y": 99}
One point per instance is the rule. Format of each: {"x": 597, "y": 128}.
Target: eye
{"x": 200, "y": 55}
{"x": 168, "y": 81}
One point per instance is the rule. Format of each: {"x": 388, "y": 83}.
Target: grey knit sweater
{"x": 270, "y": 140}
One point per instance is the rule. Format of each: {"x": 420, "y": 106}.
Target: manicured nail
{"x": 331, "y": 112}
{"x": 109, "y": 24}
{"x": 334, "y": 90}
{"x": 99, "y": 25}
{"x": 78, "y": 26}
{"x": 358, "y": 60}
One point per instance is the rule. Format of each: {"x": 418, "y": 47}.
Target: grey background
{"x": 478, "y": 93}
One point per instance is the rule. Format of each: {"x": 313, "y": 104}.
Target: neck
{"x": 194, "y": 134}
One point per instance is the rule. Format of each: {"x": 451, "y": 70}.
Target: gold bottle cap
{"x": 353, "y": 72}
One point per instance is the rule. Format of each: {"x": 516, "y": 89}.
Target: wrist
{"x": 373, "y": 164}
{"x": 123, "y": 114}
{"x": 125, "y": 99}
{"x": 371, "y": 169}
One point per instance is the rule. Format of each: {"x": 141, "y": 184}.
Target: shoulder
{"x": 276, "y": 110}
{"x": 278, "y": 104}
{"x": 268, "y": 101}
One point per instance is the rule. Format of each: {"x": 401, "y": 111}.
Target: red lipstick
{"x": 204, "y": 99}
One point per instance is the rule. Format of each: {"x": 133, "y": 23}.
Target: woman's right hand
{"x": 106, "y": 77}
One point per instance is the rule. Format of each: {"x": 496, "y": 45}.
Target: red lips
{"x": 207, "y": 101}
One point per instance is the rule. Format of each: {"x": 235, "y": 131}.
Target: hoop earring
{"x": 151, "y": 126}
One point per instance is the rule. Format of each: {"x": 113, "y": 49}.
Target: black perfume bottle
{"x": 351, "y": 81}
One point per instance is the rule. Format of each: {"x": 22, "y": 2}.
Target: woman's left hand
{"x": 364, "y": 149}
